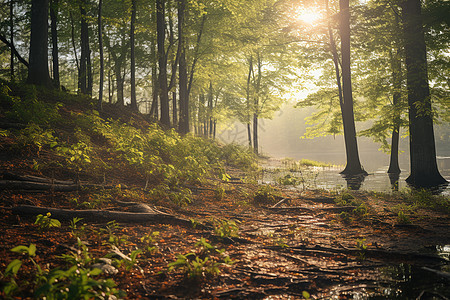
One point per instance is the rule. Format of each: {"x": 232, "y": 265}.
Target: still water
{"x": 376, "y": 165}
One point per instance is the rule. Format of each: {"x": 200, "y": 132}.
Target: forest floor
{"x": 361, "y": 249}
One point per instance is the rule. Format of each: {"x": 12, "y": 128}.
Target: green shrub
{"x": 33, "y": 139}
{"x": 266, "y": 194}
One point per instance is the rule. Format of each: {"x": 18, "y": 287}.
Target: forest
{"x": 117, "y": 180}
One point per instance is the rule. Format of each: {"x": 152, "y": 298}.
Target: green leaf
{"x": 32, "y": 248}
{"x": 95, "y": 272}
{"x": 20, "y": 249}
{"x": 13, "y": 267}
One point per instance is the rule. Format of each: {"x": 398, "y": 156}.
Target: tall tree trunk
{"x": 90, "y": 79}
{"x": 54, "y": 30}
{"x": 11, "y": 35}
{"x": 256, "y": 104}
{"x": 119, "y": 83}
{"x": 249, "y": 77}
{"x": 353, "y": 166}
{"x": 84, "y": 49}
{"x": 210, "y": 109}
{"x": 334, "y": 52}
{"x": 183, "y": 77}
{"x": 133, "y": 63}
{"x": 394, "y": 167}
{"x": 72, "y": 25}
{"x": 38, "y": 58}
{"x": 424, "y": 171}
{"x": 173, "y": 74}
{"x": 249, "y": 135}
{"x": 196, "y": 54}
{"x": 100, "y": 45}
{"x": 161, "y": 36}
{"x": 154, "y": 57}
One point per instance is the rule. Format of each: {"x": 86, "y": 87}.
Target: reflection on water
{"x": 329, "y": 178}
{"x": 405, "y": 281}
{"x": 354, "y": 182}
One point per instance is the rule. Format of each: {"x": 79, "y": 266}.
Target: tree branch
{"x": 13, "y": 49}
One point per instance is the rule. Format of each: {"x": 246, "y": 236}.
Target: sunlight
{"x": 308, "y": 16}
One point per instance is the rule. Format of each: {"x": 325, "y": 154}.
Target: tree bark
{"x": 184, "y": 124}
{"x": 100, "y": 45}
{"x": 256, "y": 106}
{"x": 353, "y": 166}
{"x": 38, "y": 59}
{"x": 249, "y": 77}
{"x": 196, "y": 54}
{"x": 394, "y": 167}
{"x": 11, "y": 34}
{"x": 133, "y": 63}
{"x": 54, "y": 30}
{"x": 73, "y": 45}
{"x": 424, "y": 170}
{"x": 162, "y": 61}
{"x": 82, "y": 77}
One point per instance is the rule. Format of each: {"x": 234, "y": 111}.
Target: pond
{"x": 329, "y": 178}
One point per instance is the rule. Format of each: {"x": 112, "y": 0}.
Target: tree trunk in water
{"x": 424, "y": 171}
{"x": 54, "y": 30}
{"x": 38, "y": 58}
{"x": 394, "y": 167}
{"x": 163, "y": 91}
{"x": 100, "y": 45}
{"x": 184, "y": 124}
{"x": 133, "y": 63}
{"x": 353, "y": 166}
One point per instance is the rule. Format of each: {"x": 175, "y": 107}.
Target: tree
{"x": 54, "y": 30}
{"x": 161, "y": 35}
{"x": 85, "y": 52}
{"x": 100, "y": 46}
{"x": 38, "y": 58}
{"x": 424, "y": 171}
{"x": 182, "y": 70}
{"x": 353, "y": 166}
{"x": 11, "y": 32}
{"x": 132, "y": 55}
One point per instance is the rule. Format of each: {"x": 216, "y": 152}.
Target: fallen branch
{"x": 16, "y": 177}
{"x": 41, "y": 186}
{"x": 445, "y": 275}
{"x": 374, "y": 253}
{"x": 102, "y": 215}
{"x": 327, "y": 200}
{"x": 280, "y": 202}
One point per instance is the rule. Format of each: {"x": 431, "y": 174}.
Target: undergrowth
{"x": 94, "y": 145}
